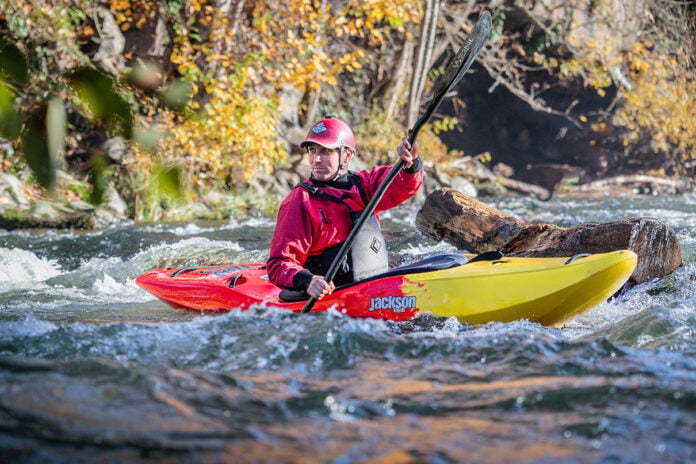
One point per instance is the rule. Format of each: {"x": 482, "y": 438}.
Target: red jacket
{"x": 309, "y": 224}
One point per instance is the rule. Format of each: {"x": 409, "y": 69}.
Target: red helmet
{"x": 330, "y": 133}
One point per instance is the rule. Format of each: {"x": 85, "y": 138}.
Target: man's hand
{"x": 319, "y": 288}
{"x": 406, "y": 152}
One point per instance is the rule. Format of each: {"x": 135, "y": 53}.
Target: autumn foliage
{"x": 205, "y": 81}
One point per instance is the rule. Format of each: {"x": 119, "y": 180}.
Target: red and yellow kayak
{"x": 545, "y": 290}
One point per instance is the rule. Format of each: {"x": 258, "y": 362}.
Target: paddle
{"x": 456, "y": 68}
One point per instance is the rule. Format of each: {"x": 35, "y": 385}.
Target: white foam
{"x": 109, "y": 288}
{"x": 249, "y": 222}
{"x": 420, "y": 250}
{"x": 190, "y": 229}
{"x": 23, "y": 269}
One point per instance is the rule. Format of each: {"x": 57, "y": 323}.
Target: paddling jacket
{"x": 311, "y": 227}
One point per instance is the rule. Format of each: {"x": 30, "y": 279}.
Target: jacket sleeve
{"x": 404, "y": 186}
{"x": 291, "y": 242}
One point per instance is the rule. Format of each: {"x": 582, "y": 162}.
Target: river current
{"x": 94, "y": 369}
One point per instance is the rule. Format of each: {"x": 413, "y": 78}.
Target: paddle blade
{"x": 456, "y": 68}
{"x": 465, "y": 56}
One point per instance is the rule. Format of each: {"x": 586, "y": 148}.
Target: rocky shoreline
{"x": 22, "y": 208}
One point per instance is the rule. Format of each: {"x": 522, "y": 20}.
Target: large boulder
{"x": 471, "y": 225}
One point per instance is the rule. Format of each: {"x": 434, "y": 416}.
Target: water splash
{"x": 23, "y": 269}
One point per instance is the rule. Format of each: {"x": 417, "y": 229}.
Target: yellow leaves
{"x": 661, "y": 101}
{"x": 233, "y": 133}
{"x": 379, "y": 135}
{"x": 133, "y": 13}
{"x": 293, "y": 38}
{"x": 374, "y": 20}
{"x": 638, "y": 61}
{"x": 657, "y": 96}
{"x": 445, "y": 124}
{"x": 300, "y": 44}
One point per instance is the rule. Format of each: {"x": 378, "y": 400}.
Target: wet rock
{"x": 456, "y": 182}
{"x": 186, "y": 211}
{"x": 471, "y": 225}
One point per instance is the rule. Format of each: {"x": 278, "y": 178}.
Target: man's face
{"x": 323, "y": 161}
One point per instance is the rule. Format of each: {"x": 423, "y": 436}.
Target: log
{"x": 464, "y": 222}
{"x": 471, "y": 225}
{"x": 639, "y": 183}
{"x": 518, "y": 186}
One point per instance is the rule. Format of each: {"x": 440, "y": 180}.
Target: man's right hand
{"x": 319, "y": 287}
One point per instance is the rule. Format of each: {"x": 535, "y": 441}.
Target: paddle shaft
{"x": 455, "y": 71}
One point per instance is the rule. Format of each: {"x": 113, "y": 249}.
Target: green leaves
{"x": 36, "y": 149}
{"x": 13, "y": 74}
{"x": 177, "y": 95}
{"x": 13, "y": 64}
{"x": 56, "y": 121}
{"x": 40, "y": 131}
{"x": 168, "y": 182}
{"x": 95, "y": 91}
{"x": 44, "y": 127}
{"x": 10, "y": 119}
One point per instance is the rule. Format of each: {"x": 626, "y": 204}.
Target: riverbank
{"x": 26, "y": 206}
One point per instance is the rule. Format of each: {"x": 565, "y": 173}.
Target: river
{"x": 93, "y": 369}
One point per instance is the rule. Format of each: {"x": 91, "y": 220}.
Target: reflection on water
{"x": 93, "y": 369}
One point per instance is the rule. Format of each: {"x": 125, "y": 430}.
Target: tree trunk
{"x": 465, "y": 223}
{"x": 421, "y": 64}
{"x": 395, "y": 86}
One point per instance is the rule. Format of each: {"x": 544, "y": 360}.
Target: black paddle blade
{"x": 462, "y": 61}
{"x": 456, "y": 68}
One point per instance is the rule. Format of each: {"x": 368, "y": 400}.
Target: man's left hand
{"x": 406, "y": 152}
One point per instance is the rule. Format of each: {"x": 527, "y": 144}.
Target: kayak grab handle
{"x": 182, "y": 270}
{"x": 576, "y": 257}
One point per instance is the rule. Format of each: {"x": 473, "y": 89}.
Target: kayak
{"x": 475, "y": 289}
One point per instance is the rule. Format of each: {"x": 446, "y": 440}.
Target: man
{"x": 318, "y": 215}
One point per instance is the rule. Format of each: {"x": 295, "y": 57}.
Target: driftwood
{"x": 472, "y": 169}
{"x": 519, "y": 186}
{"x": 639, "y": 183}
{"x": 471, "y": 225}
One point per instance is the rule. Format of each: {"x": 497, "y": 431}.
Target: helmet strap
{"x": 341, "y": 163}
{"x": 341, "y": 158}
